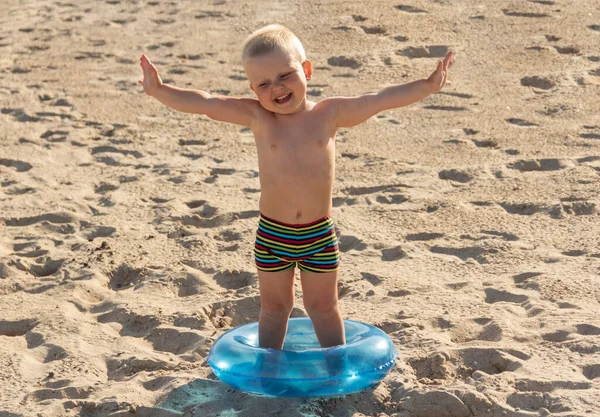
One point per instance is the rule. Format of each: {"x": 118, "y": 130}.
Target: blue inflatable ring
{"x": 302, "y": 368}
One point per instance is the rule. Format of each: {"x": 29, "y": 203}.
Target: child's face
{"x": 279, "y": 81}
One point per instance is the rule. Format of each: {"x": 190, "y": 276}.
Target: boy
{"x": 295, "y": 141}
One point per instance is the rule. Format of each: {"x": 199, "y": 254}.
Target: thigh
{"x": 319, "y": 289}
{"x": 276, "y": 289}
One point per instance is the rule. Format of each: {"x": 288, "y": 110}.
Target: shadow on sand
{"x": 204, "y": 397}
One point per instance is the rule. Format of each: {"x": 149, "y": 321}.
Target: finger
{"x": 146, "y": 63}
{"x": 448, "y": 59}
{"x": 440, "y": 66}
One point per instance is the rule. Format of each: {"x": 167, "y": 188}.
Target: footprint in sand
{"x": 20, "y": 115}
{"x": 528, "y": 209}
{"x": 347, "y": 243}
{"x": 445, "y": 108}
{"x": 567, "y": 50}
{"x": 90, "y": 55}
{"x": 132, "y": 324}
{"x": 119, "y": 369}
{"x": 49, "y": 218}
{"x": 393, "y": 254}
{"x": 476, "y": 253}
{"x": 493, "y": 296}
{"x": 536, "y": 81}
{"x": 123, "y": 21}
{"x": 113, "y": 149}
{"x": 212, "y": 14}
{"x": 521, "y": 122}
{"x": 193, "y": 283}
{"x": 585, "y": 135}
{"x": 105, "y": 187}
{"x": 162, "y": 22}
{"x": 125, "y": 277}
{"x": 178, "y": 342}
{"x": 233, "y": 280}
{"x": 374, "y": 30}
{"x": 541, "y": 165}
{"x": 591, "y": 371}
{"x": 430, "y": 403}
{"x": 343, "y": 28}
{"x": 224, "y": 219}
{"x": 456, "y": 175}
{"x": 524, "y": 14}
{"x": 531, "y": 385}
{"x": 433, "y": 51}
{"x": 525, "y": 280}
{"x": 18, "y": 166}
{"x": 44, "y": 266}
{"x": 73, "y": 393}
{"x": 536, "y": 401}
{"x": 344, "y": 61}
{"x": 392, "y": 199}
{"x": 17, "y": 328}
{"x": 564, "y": 335}
{"x": 410, "y": 9}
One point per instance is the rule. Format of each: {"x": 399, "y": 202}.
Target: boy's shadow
{"x": 204, "y": 397}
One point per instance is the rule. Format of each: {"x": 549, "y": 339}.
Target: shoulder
{"x": 328, "y": 106}
{"x": 254, "y": 107}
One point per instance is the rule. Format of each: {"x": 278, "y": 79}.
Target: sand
{"x": 469, "y": 223}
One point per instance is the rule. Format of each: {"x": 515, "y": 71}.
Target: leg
{"x": 276, "y": 303}
{"x": 320, "y": 295}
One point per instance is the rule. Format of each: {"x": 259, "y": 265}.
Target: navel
{"x": 320, "y": 143}
{"x": 273, "y": 147}
{"x": 298, "y": 214}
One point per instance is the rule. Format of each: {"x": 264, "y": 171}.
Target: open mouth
{"x": 283, "y": 99}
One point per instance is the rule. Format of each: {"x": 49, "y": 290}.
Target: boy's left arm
{"x": 352, "y": 111}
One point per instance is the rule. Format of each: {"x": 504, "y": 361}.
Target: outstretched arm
{"x": 241, "y": 111}
{"x": 355, "y": 110}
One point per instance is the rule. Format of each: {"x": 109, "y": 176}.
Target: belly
{"x": 296, "y": 198}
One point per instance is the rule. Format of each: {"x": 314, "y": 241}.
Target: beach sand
{"x": 469, "y": 223}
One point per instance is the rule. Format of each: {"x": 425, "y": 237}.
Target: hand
{"x": 439, "y": 78}
{"x": 151, "y": 81}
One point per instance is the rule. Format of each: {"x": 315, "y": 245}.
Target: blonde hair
{"x": 272, "y": 37}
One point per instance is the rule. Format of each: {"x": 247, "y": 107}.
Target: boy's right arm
{"x": 241, "y": 111}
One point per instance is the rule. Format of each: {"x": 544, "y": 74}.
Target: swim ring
{"x": 302, "y": 368}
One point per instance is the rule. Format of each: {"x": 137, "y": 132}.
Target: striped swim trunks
{"x": 280, "y": 246}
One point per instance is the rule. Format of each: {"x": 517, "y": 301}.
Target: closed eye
{"x": 285, "y": 75}
{"x": 263, "y": 84}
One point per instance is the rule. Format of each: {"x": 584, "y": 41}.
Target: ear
{"x": 252, "y": 88}
{"x": 308, "y": 70}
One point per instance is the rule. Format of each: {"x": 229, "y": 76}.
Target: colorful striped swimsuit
{"x": 280, "y": 246}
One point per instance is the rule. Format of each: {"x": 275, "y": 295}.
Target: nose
{"x": 277, "y": 88}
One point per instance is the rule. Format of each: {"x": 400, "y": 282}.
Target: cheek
{"x": 264, "y": 96}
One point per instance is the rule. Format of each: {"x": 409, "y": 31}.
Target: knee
{"x": 276, "y": 308}
{"x": 321, "y": 307}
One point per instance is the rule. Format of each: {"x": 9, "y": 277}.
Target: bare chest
{"x": 301, "y": 149}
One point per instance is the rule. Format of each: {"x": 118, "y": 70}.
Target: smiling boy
{"x": 295, "y": 142}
